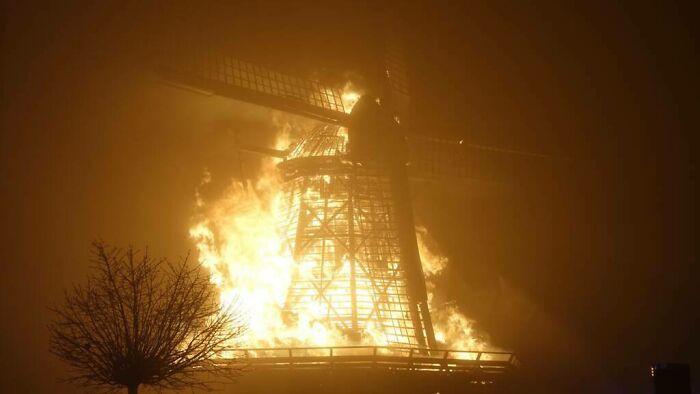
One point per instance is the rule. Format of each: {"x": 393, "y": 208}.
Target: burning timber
{"x": 346, "y": 267}
{"x": 340, "y": 226}
{"x": 343, "y": 228}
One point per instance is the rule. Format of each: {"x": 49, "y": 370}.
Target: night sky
{"x": 589, "y": 277}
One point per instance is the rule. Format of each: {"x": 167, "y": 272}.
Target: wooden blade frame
{"x": 214, "y": 72}
{"x": 433, "y": 158}
{"x": 395, "y": 90}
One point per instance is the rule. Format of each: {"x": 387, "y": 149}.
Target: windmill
{"x": 349, "y": 222}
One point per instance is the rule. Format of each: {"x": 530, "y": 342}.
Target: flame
{"x": 452, "y": 328}
{"x": 351, "y": 94}
{"x": 239, "y": 241}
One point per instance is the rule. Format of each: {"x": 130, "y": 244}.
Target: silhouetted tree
{"x": 140, "y": 321}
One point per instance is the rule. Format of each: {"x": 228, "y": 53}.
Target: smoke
{"x": 452, "y": 328}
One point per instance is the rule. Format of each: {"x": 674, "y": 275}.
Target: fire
{"x": 351, "y": 94}
{"x": 452, "y": 328}
{"x": 241, "y": 241}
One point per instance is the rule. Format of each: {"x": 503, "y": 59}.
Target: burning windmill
{"x": 348, "y": 220}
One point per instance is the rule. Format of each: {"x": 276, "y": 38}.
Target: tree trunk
{"x": 133, "y": 388}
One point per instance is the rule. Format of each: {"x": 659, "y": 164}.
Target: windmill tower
{"x": 349, "y": 222}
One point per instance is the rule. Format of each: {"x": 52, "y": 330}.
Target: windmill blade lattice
{"x": 213, "y": 71}
{"x": 435, "y": 159}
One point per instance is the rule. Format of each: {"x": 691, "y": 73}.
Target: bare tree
{"x": 142, "y": 321}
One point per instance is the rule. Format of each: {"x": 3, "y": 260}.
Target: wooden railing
{"x": 384, "y": 357}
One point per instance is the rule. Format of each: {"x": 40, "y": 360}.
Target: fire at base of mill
{"x": 311, "y": 252}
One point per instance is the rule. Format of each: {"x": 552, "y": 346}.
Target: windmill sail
{"x": 395, "y": 91}
{"x": 215, "y": 72}
{"x": 438, "y": 159}
{"x": 434, "y": 159}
